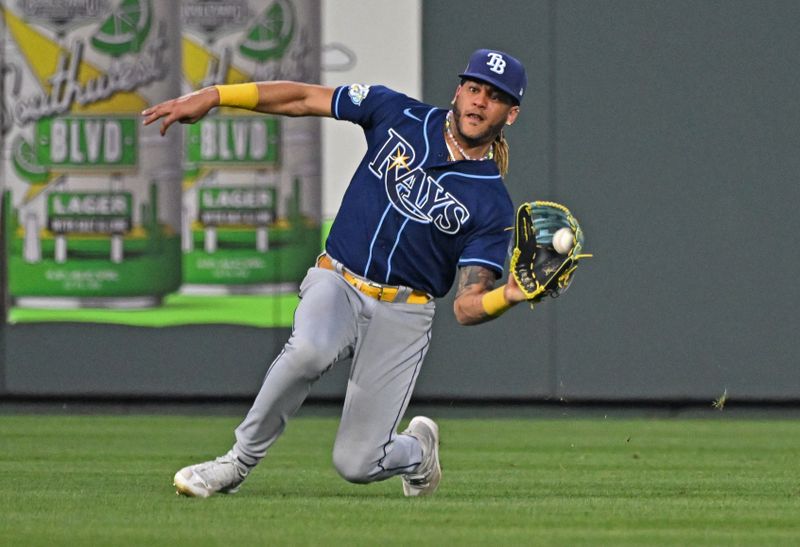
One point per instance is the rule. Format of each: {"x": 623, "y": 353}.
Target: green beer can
{"x": 93, "y": 204}
{"x": 251, "y": 184}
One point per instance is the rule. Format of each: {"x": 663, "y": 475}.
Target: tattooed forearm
{"x": 474, "y": 275}
{"x": 477, "y": 301}
{"x": 473, "y": 283}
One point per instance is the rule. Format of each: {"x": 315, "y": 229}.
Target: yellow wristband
{"x": 494, "y": 302}
{"x": 241, "y": 95}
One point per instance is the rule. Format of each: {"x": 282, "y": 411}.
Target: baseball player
{"x": 426, "y": 203}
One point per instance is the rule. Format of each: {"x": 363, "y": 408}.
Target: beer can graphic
{"x": 94, "y": 214}
{"x": 252, "y": 185}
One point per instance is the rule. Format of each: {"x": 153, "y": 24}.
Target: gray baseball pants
{"x": 387, "y": 343}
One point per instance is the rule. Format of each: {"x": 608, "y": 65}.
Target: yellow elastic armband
{"x": 494, "y": 302}
{"x": 239, "y": 95}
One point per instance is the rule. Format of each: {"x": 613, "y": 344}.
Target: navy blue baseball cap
{"x": 499, "y": 69}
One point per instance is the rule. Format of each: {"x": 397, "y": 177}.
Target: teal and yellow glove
{"x": 548, "y": 242}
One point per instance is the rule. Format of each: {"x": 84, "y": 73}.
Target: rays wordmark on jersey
{"x": 412, "y": 192}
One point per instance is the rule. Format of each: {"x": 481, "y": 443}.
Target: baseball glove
{"x": 538, "y": 268}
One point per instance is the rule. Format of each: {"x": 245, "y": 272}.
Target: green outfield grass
{"x": 106, "y": 480}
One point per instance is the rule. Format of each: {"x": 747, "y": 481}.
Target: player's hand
{"x": 186, "y": 109}
{"x": 512, "y": 292}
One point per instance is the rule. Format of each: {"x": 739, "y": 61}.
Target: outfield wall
{"x": 670, "y": 129}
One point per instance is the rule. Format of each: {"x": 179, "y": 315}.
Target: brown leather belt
{"x": 384, "y": 293}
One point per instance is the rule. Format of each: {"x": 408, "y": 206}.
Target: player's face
{"x": 481, "y": 110}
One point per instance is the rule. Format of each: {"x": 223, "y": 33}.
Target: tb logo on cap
{"x": 496, "y": 63}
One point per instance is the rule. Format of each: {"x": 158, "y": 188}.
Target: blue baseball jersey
{"x": 409, "y": 216}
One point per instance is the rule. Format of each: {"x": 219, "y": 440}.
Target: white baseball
{"x": 562, "y": 240}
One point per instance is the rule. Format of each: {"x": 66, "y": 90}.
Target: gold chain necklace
{"x": 489, "y": 153}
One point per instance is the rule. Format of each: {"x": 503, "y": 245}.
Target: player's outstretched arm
{"x": 284, "y": 98}
{"x": 477, "y": 301}
{"x": 294, "y": 99}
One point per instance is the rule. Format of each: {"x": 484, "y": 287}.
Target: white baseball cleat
{"x": 223, "y": 474}
{"x": 425, "y": 479}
